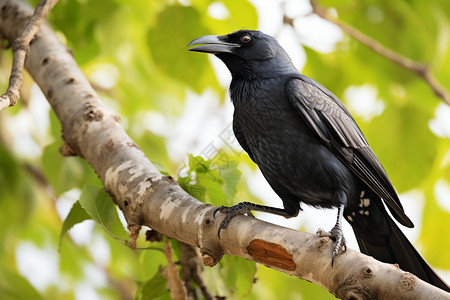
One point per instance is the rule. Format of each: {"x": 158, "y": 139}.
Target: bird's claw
{"x": 222, "y": 209}
{"x": 231, "y": 212}
{"x": 336, "y": 234}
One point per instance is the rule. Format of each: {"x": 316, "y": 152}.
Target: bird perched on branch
{"x": 310, "y": 150}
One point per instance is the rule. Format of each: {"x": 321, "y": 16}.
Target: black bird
{"x": 310, "y": 150}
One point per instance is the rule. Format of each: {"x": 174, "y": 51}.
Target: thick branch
{"x": 148, "y": 198}
{"x": 21, "y": 47}
{"x": 421, "y": 69}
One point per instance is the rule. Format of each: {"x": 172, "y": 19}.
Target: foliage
{"x": 134, "y": 53}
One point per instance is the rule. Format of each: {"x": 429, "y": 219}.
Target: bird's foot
{"x": 336, "y": 234}
{"x": 243, "y": 208}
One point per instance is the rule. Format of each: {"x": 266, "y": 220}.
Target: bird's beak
{"x": 213, "y": 44}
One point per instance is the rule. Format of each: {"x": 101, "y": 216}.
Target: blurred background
{"x": 175, "y": 105}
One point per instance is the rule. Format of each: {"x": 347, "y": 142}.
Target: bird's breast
{"x": 261, "y": 103}
{"x": 290, "y": 155}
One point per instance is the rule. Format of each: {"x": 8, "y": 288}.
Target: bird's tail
{"x": 399, "y": 250}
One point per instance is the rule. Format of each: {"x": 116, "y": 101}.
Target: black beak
{"x": 213, "y": 44}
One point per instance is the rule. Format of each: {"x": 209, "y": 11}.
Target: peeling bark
{"x": 148, "y": 198}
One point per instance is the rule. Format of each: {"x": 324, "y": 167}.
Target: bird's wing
{"x": 332, "y": 122}
{"x": 240, "y": 137}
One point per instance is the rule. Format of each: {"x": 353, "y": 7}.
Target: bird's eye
{"x": 245, "y": 38}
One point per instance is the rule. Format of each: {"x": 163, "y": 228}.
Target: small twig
{"x": 176, "y": 286}
{"x": 191, "y": 268}
{"x": 150, "y": 248}
{"x": 421, "y": 69}
{"x": 39, "y": 177}
{"x": 21, "y": 47}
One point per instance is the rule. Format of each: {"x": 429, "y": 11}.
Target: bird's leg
{"x": 245, "y": 208}
{"x": 336, "y": 234}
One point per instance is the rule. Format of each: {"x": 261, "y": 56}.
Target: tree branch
{"x": 421, "y": 69}
{"x": 21, "y": 47}
{"x": 148, "y": 198}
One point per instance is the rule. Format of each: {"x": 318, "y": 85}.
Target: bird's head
{"x": 246, "y": 53}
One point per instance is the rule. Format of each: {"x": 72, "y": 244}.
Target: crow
{"x": 310, "y": 150}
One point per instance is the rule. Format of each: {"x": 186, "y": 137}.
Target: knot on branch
{"x": 208, "y": 260}
{"x": 134, "y": 234}
{"x": 91, "y": 113}
{"x": 208, "y": 223}
{"x": 322, "y": 243}
{"x": 351, "y": 289}
{"x": 408, "y": 282}
{"x": 66, "y": 150}
{"x": 5, "y": 10}
{"x": 153, "y": 236}
{"x": 211, "y": 250}
{"x": 368, "y": 272}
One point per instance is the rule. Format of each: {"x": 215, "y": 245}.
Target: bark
{"x": 21, "y": 47}
{"x": 148, "y": 198}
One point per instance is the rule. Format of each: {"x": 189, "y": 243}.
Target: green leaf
{"x": 152, "y": 260}
{"x": 17, "y": 195}
{"x": 271, "y": 284}
{"x": 208, "y": 178}
{"x": 155, "y": 288}
{"x": 82, "y": 36}
{"x": 436, "y": 217}
{"x": 216, "y": 180}
{"x": 76, "y": 215}
{"x": 73, "y": 260}
{"x": 15, "y": 287}
{"x": 154, "y": 147}
{"x": 431, "y": 235}
{"x": 184, "y": 24}
{"x": 238, "y": 273}
{"x": 103, "y": 211}
{"x": 65, "y": 173}
{"x": 406, "y": 149}
{"x": 196, "y": 191}
{"x": 243, "y": 14}
{"x": 232, "y": 176}
{"x": 213, "y": 188}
